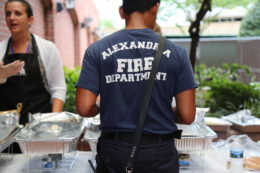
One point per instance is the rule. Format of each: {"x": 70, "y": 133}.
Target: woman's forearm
{"x": 57, "y": 105}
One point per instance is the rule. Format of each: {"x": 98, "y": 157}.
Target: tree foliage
{"x": 231, "y": 3}
{"x": 223, "y": 90}
{"x": 201, "y": 7}
{"x": 194, "y": 29}
{"x": 106, "y": 23}
{"x": 71, "y": 77}
{"x": 215, "y": 3}
{"x": 251, "y": 23}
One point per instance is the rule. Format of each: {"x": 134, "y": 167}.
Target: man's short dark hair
{"x": 141, "y": 6}
{"x": 29, "y": 10}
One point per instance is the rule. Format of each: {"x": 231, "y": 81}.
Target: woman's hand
{"x": 10, "y": 69}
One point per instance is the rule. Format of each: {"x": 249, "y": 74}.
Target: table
{"x": 19, "y": 162}
{"x": 231, "y": 131}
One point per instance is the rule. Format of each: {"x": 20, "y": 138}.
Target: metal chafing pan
{"x": 9, "y": 137}
{"x": 196, "y": 136}
{"x": 51, "y": 133}
{"x": 92, "y": 134}
{"x": 8, "y": 127}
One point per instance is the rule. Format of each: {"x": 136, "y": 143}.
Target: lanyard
{"x": 146, "y": 101}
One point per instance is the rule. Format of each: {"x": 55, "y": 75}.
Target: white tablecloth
{"x": 18, "y": 164}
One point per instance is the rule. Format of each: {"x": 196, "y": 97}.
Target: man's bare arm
{"x": 86, "y": 103}
{"x": 185, "y": 107}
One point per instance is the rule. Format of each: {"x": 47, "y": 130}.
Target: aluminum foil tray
{"x": 195, "y": 137}
{"x": 91, "y": 136}
{"x": 51, "y": 133}
{"x": 93, "y": 132}
{"x": 5, "y": 131}
{"x": 244, "y": 121}
{"x": 7, "y": 136}
{"x": 8, "y": 128}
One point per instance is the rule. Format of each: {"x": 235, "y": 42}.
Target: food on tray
{"x": 51, "y": 133}
{"x": 56, "y": 117}
{"x": 252, "y": 163}
{"x": 54, "y": 128}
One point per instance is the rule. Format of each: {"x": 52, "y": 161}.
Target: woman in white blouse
{"x": 40, "y": 84}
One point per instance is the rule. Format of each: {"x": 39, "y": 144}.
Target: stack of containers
{"x": 50, "y": 141}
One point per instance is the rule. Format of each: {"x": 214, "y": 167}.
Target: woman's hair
{"x": 141, "y": 6}
{"x": 28, "y": 7}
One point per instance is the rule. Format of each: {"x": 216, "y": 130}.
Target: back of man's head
{"x": 141, "y": 6}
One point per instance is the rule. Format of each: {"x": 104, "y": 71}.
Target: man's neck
{"x": 138, "y": 20}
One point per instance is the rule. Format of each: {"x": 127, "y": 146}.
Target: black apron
{"x": 28, "y": 89}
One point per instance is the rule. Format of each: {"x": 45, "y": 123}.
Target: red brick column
{"x": 4, "y": 32}
{"x": 49, "y": 28}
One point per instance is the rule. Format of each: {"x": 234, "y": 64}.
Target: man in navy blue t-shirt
{"x": 117, "y": 68}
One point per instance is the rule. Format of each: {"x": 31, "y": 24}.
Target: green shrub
{"x": 227, "y": 97}
{"x": 71, "y": 77}
{"x": 226, "y": 92}
{"x": 251, "y": 23}
{"x": 230, "y": 72}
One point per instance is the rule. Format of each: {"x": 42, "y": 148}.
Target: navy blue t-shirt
{"x": 118, "y": 66}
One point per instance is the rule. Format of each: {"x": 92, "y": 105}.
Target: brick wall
{"x": 4, "y": 32}
{"x": 38, "y": 25}
{"x": 86, "y": 34}
{"x": 64, "y": 37}
{"x": 48, "y": 20}
{"x": 71, "y": 39}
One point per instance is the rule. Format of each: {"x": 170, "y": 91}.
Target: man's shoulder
{"x": 105, "y": 40}
{"x": 176, "y": 51}
{"x": 173, "y": 45}
{"x": 110, "y": 37}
